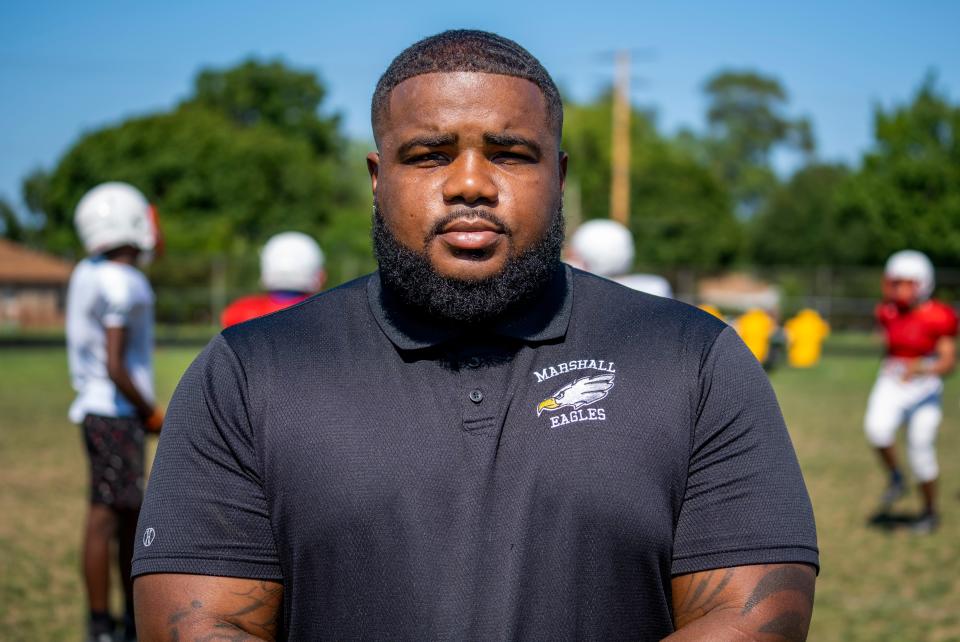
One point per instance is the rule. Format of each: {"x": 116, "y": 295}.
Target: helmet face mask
{"x": 904, "y": 293}
{"x": 113, "y": 215}
{"x": 908, "y": 278}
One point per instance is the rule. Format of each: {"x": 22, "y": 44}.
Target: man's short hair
{"x": 466, "y": 50}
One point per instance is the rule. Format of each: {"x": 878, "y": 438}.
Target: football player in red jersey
{"x": 291, "y": 269}
{"x": 921, "y": 349}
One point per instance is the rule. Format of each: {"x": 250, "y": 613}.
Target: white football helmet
{"x": 910, "y": 265}
{"x": 604, "y": 246}
{"x": 291, "y": 261}
{"x": 649, "y": 283}
{"x": 112, "y": 215}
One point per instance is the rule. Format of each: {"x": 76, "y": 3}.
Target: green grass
{"x": 43, "y": 491}
{"x": 875, "y": 585}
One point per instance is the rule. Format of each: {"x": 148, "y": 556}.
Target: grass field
{"x": 875, "y": 584}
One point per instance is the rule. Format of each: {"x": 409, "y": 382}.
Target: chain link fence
{"x": 194, "y": 290}
{"x": 844, "y": 295}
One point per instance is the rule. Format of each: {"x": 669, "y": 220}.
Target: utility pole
{"x": 620, "y": 152}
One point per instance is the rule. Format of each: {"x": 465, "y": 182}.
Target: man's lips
{"x": 471, "y": 234}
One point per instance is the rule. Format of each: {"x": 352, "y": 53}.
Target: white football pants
{"x": 915, "y": 402}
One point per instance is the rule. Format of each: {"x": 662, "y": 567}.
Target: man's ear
{"x": 563, "y": 169}
{"x": 373, "y": 167}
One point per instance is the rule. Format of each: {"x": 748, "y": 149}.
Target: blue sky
{"x": 68, "y": 67}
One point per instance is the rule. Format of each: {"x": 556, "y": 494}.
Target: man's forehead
{"x": 438, "y": 101}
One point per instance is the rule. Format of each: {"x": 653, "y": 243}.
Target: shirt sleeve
{"x": 116, "y": 297}
{"x": 205, "y": 510}
{"x": 946, "y": 321}
{"x": 745, "y": 500}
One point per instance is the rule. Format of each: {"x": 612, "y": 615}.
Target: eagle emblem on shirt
{"x": 582, "y": 392}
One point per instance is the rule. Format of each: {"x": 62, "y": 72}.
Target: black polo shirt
{"x": 540, "y": 478}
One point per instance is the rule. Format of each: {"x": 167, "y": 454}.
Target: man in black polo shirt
{"x": 475, "y": 442}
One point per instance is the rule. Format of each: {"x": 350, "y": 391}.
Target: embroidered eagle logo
{"x": 582, "y": 392}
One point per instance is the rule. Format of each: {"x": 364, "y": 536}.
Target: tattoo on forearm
{"x": 264, "y": 596}
{"x": 231, "y": 634}
{"x": 256, "y": 620}
{"x": 734, "y": 596}
{"x": 694, "y": 603}
{"x": 182, "y": 613}
{"x": 790, "y": 625}
{"x": 784, "y": 578}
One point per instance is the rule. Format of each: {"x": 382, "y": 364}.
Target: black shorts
{"x": 115, "y": 449}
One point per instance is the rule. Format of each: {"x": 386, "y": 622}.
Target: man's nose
{"x": 469, "y": 181}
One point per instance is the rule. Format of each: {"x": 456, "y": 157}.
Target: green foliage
{"x": 346, "y": 235}
{"x": 218, "y": 188}
{"x": 907, "y": 193}
{"x": 747, "y": 121}
{"x": 248, "y": 156}
{"x": 587, "y": 131}
{"x": 680, "y": 213}
{"x": 796, "y": 227}
{"x": 251, "y": 153}
{"x": 255, "y": 93}
{"x": 10, "y": 226}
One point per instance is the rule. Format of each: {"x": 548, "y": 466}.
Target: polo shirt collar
{"x": 543, "y": 319}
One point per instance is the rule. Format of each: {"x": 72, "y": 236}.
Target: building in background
{"x": 33, "y": 287}
{"x": 738, "y": 292}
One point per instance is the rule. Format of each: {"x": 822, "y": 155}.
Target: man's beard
{"x": 409, "y": 275}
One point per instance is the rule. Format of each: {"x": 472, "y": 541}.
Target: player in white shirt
{"x": 110, "y": 354}
{"x": 605, "y": 248}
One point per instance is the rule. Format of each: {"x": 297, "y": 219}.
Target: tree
{"x": 907, "y": 192}
{"x": 796, "y": 226}
{"x": 747, "y": 121}
{"x": 246, "y": 156}
{"x": 9, "y": 224}
{"x": 680, "y": 213}
{"x": 256, "y": 93}
{"x": 218, "y": 188}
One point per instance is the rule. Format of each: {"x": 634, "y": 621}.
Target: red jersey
{"x": 915, "y": 332}
{"x": 257, "y": 305}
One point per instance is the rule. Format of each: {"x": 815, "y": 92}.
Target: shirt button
{"x": 476, "y": 396}
{"x": 473, "y": 362}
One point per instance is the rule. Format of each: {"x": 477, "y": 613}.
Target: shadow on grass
{"x": 888, "y": 521}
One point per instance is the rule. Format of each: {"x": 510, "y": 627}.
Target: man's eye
{"x": 431, "y": 158}
{"x": 511, "y": 158}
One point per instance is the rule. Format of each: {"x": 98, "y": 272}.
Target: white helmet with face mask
{"x": 911, "y": 265}
{"x": 113, "y": 215}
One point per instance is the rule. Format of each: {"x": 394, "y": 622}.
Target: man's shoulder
{"x": 608, "y": 302}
